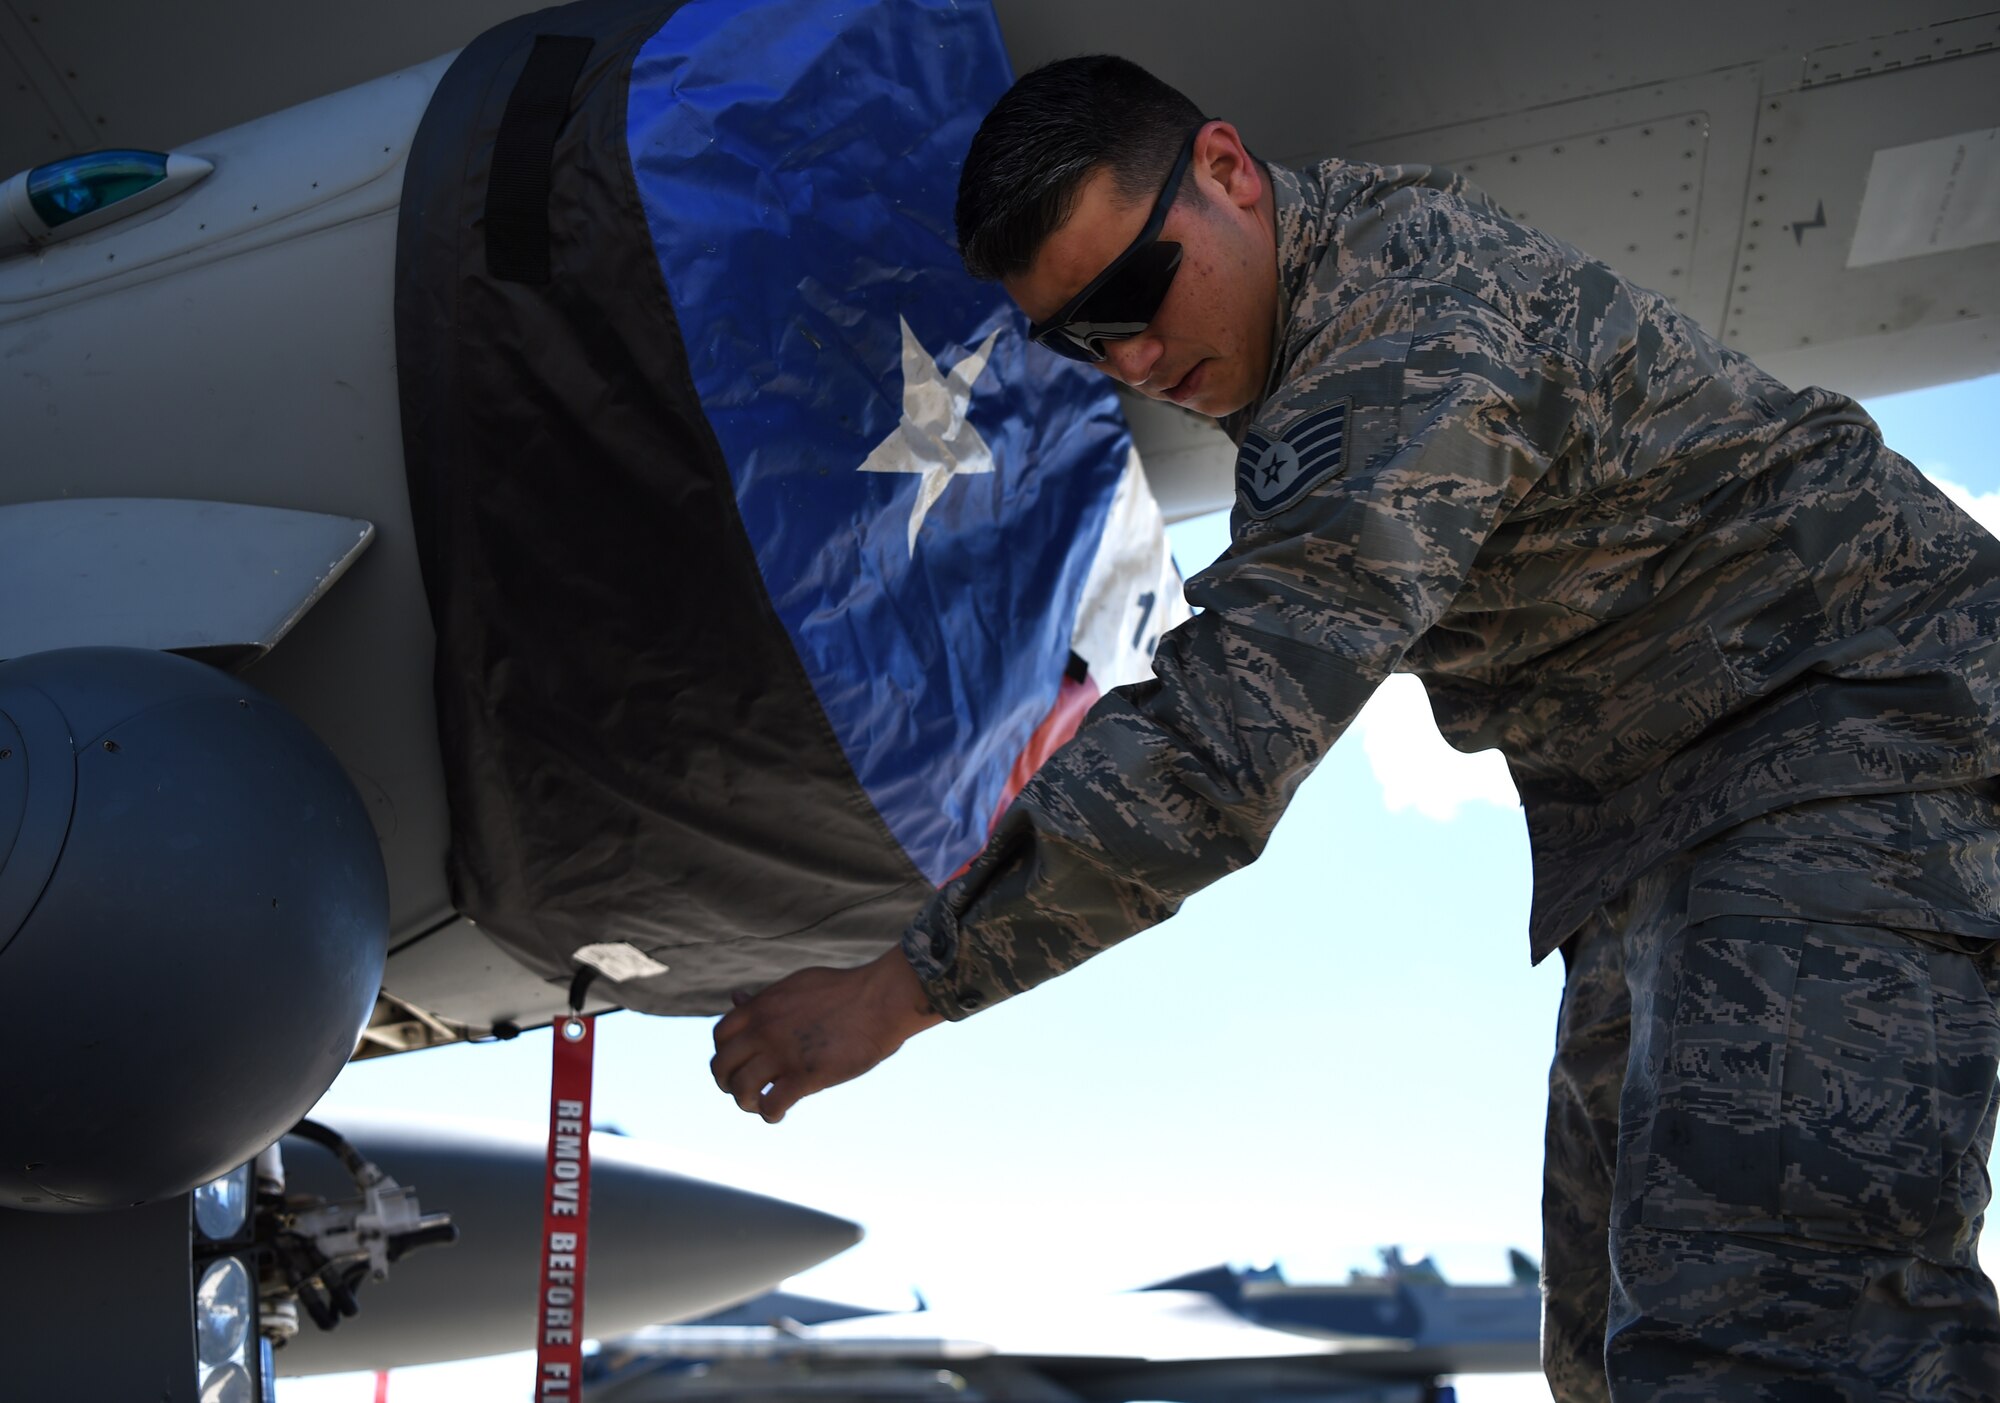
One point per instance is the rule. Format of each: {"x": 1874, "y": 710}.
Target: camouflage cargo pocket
{"x": 1799, "y": 1093}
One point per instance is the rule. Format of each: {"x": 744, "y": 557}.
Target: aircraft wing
{"x": 1166, "y": 1344}
{"x": 1156, "y": 1327}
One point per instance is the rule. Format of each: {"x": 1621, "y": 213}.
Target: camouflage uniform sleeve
{"x": 1365, "y": 490}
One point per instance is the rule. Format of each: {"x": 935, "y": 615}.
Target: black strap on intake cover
{"x": 517, "y": 190}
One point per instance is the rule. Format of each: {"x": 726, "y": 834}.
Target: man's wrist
{"x": 901, "y": 991}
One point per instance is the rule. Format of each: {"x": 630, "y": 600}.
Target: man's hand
{"x": 815, "y": 1029}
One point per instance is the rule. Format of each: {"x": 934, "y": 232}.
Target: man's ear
{"x": 1223, "y": 161}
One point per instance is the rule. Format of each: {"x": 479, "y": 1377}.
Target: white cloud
{"x": 1416, "y": 768}
{"x": 1983, "y": 507}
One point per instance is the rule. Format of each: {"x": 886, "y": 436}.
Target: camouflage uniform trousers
{"x": 1770, "y": 1113}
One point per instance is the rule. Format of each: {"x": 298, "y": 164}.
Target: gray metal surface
{"x": 127, "y": 73}
{"x": 458, "y": 975}
{"x": 100, "y": 1306}
{"x": 235, "y": 344}
{"x": 204, "y": 940}
{"x": 38, "y": 791}
{"x": 663, "y": 1246}
{"x": 1644, "y": 135}
{"x": 213, "y": 579}
{"x": 1649, "y": 179}
{"x": 1794, "y": 288}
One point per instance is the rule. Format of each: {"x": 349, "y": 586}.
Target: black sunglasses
{"x": 1121, "y": 300}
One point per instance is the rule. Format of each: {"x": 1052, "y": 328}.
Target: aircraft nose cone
{"x": 664, "y": 1246}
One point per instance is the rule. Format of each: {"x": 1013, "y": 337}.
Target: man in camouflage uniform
{"x": 1743, "y": 660}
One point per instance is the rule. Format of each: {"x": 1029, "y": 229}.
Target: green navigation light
{"x": 69, "y": 189}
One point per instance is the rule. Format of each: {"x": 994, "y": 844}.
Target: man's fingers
{"x": 784, "y": 1094}
{"x": 731, "y": 1023}
{"x": 813, "y": 1029}
{"x": 747, "y": 1083}
{"x": 730, "y": 1055}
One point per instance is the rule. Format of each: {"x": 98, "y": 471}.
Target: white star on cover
{"x": 933, "y": 437}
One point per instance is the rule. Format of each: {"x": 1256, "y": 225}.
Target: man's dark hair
{"x": 1054, "y": 127}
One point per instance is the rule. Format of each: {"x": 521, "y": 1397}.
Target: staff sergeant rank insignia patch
{"x": 1271, "y": 474}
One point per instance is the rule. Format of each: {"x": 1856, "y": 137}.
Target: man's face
{"x": 1208, "y": 348}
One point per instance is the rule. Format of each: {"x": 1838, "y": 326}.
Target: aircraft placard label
{"x": 1929, "y": 197}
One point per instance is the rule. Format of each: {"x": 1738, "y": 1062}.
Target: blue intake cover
{"x": 754, "y": 530}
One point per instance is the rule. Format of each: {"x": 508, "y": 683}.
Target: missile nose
{"x": 664, "y": 1246}
{"x": 706, "y": 1230}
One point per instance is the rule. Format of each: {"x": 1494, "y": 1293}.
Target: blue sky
{"x": 1339, "y": 1048}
